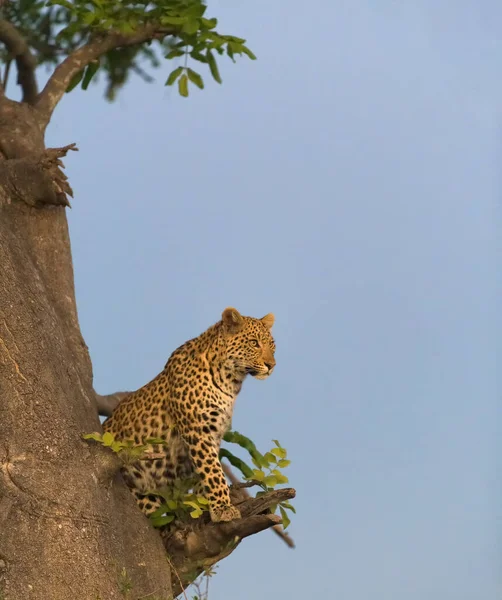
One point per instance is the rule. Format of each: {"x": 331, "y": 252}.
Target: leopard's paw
{"x": 224, "y": 513}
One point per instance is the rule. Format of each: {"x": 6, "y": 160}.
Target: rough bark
{"x": 64, "y": 531}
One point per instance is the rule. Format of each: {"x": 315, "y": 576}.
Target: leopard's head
{"x": 250, "y": 345}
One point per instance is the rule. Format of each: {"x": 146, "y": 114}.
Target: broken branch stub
{"x": 36, "y": 180}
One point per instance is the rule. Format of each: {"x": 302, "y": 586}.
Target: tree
{"x": 68, "y": 526}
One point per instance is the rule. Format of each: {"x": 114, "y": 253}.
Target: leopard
{"x": 189, "y": 407}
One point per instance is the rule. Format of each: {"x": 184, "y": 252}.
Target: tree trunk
{"x": 67, "y": 529}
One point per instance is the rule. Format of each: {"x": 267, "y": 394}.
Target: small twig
{"x": 6, "y": 74}
{"x": 56, "y": 153}
{"x": 152, "y": 456}
{"x": 207, "y": 587}
{"x": 239, "y": 485}
{"x": 177, "y": 575}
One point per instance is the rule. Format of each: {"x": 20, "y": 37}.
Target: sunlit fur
{"x": 189, "y": 405}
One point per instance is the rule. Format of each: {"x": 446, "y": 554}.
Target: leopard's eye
{"x": 255, "y": 343}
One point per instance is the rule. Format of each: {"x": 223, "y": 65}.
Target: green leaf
{"x": 234, "y": 437}
{"x": 183, "y": 85}
{"x": 276, "y": 442}
{"x": 280, "y": 477}
{"x": 270, "y": 457}
{"x": 213, "y": 66}
{"x": 190, "y": 27}
{"x": 195, "y": 514}
{"x": 285, "y": 519}
{"x": 161, "y": 521}
{"x": 289, "y": 506}
{"x": 159, "y": 512}
{"x": 196, "y": 10}
{"x": 172, "y": 504}
{"x": 234, "y": 38}
{"x": 202, "y": 500}
{"x": 248, "y": 52}
{"x": 67, "y": 32}
{"x": 89, "y": 74}
{"x": 257, "y": 474}
{"x": 209, "y": 23}
{"x": 117, "y": 446}
{"x": 174, "y": 75}
{"x": 195, "y": 78}
{"x": 236, "y": 462}
{"x": 283, "y": 463}
{"x": 75, "y": 80}
{"x": 92, "y": 436}
{"x": 270, "y": 481}
{"x": 88, "y": 18}
{"x": 261, "y": 463}
{"x": 176, "y": 52}
{"x": 155, "y": 440}
{"x": 108, "y": 439}
{"x": 280, "y": 452}
{"x": 125, "y": 27}
{"x": 167, "y": 20}
{"x": 196, "y": 55}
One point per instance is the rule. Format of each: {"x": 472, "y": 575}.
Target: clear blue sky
{"x": 346, "y": 181}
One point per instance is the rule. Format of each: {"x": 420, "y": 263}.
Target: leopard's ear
{"x": 232, "y": 319}
{"x": 268, "y": 320}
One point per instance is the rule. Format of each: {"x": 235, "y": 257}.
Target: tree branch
{"x": 106, "y": 404}
{"x": 201, "y": 544}
{"x": 80, "y": 58}
{"x": 25, "y": 61}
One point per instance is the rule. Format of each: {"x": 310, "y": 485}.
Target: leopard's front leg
{"x": 203, "y": 452}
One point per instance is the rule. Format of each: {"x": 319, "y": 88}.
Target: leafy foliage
{"x": 128, "y": 451}
{"x": 54, "y": 28}
{"x": 267, "y": 472}
{"x": 181, "y": 499}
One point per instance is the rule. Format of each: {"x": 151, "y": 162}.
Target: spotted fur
{"x": 189, "y": 405}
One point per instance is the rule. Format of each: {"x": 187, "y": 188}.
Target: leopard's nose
{"x": 270, "y": 364}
